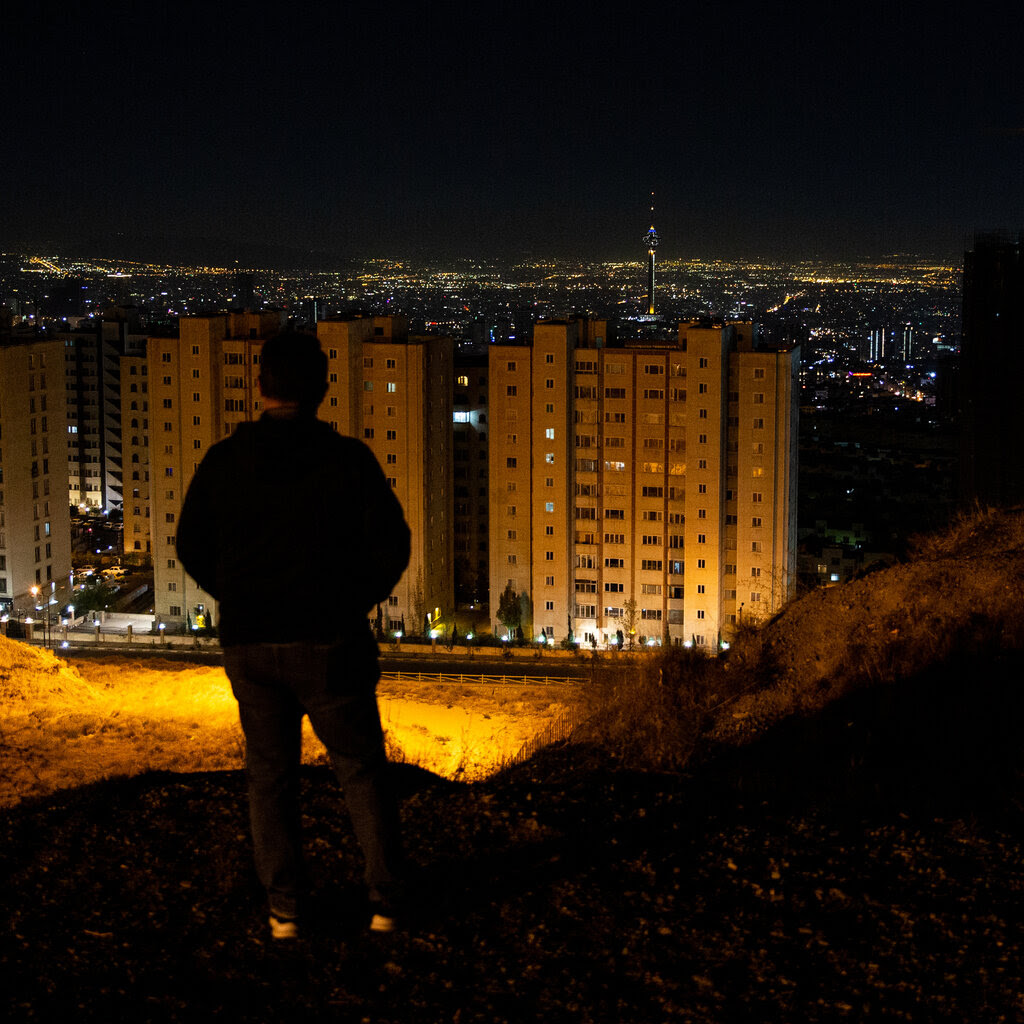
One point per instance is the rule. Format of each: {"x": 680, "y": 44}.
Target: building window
{"x": 510, "y": 462}
{"x": 549, "y": 556}
{"x": 511, "y": 391}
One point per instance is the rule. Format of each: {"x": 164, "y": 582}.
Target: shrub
{"x": 654, "y": 712}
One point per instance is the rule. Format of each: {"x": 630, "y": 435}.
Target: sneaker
{"x": 382, "y": 919}
{"x": 283, "y": 928}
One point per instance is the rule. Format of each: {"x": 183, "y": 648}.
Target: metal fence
{"x": 477, "y": 678}
{"x": 560, "y": 729}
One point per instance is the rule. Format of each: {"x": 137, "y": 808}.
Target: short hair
{"x": 293, "y": 368}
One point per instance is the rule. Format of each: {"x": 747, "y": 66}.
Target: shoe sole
{"x": 282, "y": 929}
{"x": 382, "y": 923}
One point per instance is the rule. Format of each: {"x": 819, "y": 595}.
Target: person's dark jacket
{"x": 294, "y": 529}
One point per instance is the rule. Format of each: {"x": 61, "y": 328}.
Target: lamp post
{"x": 35, "y": 592}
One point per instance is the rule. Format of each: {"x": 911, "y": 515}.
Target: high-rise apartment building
{"x": 648, "y": 487}
{"x": 35, "y": 524}
{"x": 92, "y": 368}
{"x": 469, "y": 456}
{"x": 134, "y": 421}
{"x": 390, "y": 389}
{"x": 394, "y": 391}
{"x": 201, "y": 384}
{"x": 991, "y": 365}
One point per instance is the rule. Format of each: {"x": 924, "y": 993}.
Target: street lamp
{"x": 34, "y": 591}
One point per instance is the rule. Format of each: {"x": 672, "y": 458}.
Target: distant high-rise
{"x": 991, "y": 368}
{"x": 651, "y": 241}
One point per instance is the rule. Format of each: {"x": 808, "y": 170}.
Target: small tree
{"x": 628, "y": 621}
{"x": 419, "y": 604}
{"x": 93, "y": 598}
{"x": 510, "y": 613}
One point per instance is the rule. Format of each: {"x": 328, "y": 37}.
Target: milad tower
{"x": 651, "y": 241}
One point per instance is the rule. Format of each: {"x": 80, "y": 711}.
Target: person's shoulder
{"x": 344, "y": 443}
{"x": 241, "y": 435}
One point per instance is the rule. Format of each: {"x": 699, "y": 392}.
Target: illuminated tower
{"x": 651, "y": 241}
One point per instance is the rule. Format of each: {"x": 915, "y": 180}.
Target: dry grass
{"x": 63, "y": 726}
{"x": 959, "y": 598}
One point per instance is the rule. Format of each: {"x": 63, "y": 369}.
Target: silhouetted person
{"x": 294, "y": 529}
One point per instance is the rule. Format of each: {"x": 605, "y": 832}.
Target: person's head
{"x": 293, "y": 370}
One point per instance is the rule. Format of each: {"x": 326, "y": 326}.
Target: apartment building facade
{"x": 93, "y": 356}
{"x": 35, "y": 523}
{"x": 201, "y": 385}
{"x": 394, "y": 391}
{"x": 647, "y": 488}
{"x": 472, "y": 493}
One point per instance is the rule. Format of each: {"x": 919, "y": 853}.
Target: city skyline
{"x": 173, "y": 129}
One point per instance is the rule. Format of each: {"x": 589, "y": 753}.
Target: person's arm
{"x": 385, "y": 532}
{"x": 196, "y": 533}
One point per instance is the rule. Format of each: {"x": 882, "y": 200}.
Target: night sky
{"x": 487, "y": 130}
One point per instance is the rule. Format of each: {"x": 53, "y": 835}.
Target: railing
{"x": 560, "y": 729}
{"x": 476, "y": 677}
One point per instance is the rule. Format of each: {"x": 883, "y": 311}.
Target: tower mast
{"x": 651, "y": 241}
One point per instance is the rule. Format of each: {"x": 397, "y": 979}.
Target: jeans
{"x": 275, "y": 685}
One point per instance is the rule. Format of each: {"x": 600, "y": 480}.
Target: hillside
{"x": 832, "y": 831}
